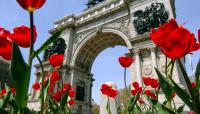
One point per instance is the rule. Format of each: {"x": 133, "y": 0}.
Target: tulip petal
{"x": 31, "y": 5}
{"x": 22, "y": 36}
{"x": 5, "y": 49}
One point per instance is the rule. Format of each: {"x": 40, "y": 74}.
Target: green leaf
{"x": 47, "y": 43}
{"x": 160, "y": 109}
{"x": 197, "y": 74}
{"x": 2, "y": 111}
{"x": 168, "y": 110}
{"x": 1, "y": 102}
{"x": 7, "y": 98}
{"x": 52, "y": 107}
{"x": 46, "y": 87}
{"x": 108, "y": 106}
{"x": 165, "y": 85}
{"x": 20, "y": 76}
{"x": 133, "y": 102}
{"x": 64, "y": 98}
{"x": 182, "y": 94}
{"x": 186, "y": 78}
{"x": 180, "y": 109}
{"x": 13, "y": 103}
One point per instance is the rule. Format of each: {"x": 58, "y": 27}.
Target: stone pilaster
{"x": 138, "y": 66}
{"x": 153, "y": 59}
{"x": 176, "y": 73}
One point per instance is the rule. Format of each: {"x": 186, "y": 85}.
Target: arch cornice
{"x": 93, "y": 34}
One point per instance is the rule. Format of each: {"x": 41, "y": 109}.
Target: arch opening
{"x": 94, "y": 46}
{"x": 106, "y": 68}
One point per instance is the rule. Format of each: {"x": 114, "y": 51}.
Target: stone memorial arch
{"x": 107, "y": 24}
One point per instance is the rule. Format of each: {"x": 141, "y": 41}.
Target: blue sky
{"x": 12, "y": 15}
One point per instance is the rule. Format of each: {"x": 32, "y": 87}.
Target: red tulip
{"x": 135, "y": 85}
{"x": 153, "y": 97}
{"x": 71, "y": 93}
{"x": 154, "y": 83}
{"x": 31, "y": 5}
{"x": 193, "y": 84}
{"x": 112, "y": 93}
{"x": 5, "y": 49}
{"x": 134, "y": 92}
{"x": 51, "y": 87}
{"x": 173, "y": 94}
{"x": 3, "y": 92}
{"x": 5, "y": 44}
{"x": 55, "y": 76}
{"x": 148, "y": 92}
{"x": 4, "y": 33}
{"x": 71, "y": 102}
{"x": 108, "y": 90}
{"x": 56, "y": 60}
{"x": 13, "y": 90}
{"x": 105, "y": 89}
{"x": 174, "y": 41}
{"x": 125, "y": 61}
{"x": 147, "y": 81}
{"x": 191, "y": 112}
{"x": 163, "y": 31}
{"x": 65, "y": 87}
{"x": 137, "y": 88}
{"x": 57, "y": 96}
{"x": 36, "y": 86}
{"x": 22, "y": 36}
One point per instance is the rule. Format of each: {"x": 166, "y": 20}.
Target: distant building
{"x": 5, "y": 77}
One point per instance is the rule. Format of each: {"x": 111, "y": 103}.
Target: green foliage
{"x": 64, "y": 98}
{"x": 182, "y": 94}
{"x": 46, "y": 87}
{"x": 180, "y": 109}
{"x": 2, "y": 111}
{"x": 6, "y": 99}
{"x": 53, "y": 106}
{"x": 160, "y": 109}
{"x": 108, "y": 106}
{"x": 93, "y": 2}
{"x": 20, "y": 76}
{"x": 13, "y": 104}
{"x": 47, "y": 43}
{"x": 133, "y": 102}
{"x": 197, "y": 73}
{"x": 58, "y": 47}
{"x": 165, "y": 85}
{"x": 152, "y": 17}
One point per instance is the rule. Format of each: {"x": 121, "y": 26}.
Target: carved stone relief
{"x": 147, "y": 70}
{"x": 162, "y": 69}
{"x": 122, "y": 25}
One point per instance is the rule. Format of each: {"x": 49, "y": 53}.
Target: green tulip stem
{"x": 190, "y": 89}
{"x": 30, "y": 60}
{"x": 174, "y": 104}
{"x": 32, "y": 39}
{"x": 108, "y": 106}
{"x": 31, "y": 43}
{"x": 125, "y": 81}
{"x": 61, "y": 79}
{"x": 42, "y": 87}
{"x": 172, "y": 68}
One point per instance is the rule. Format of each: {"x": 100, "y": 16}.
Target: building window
{"x": 80, "y": 93}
